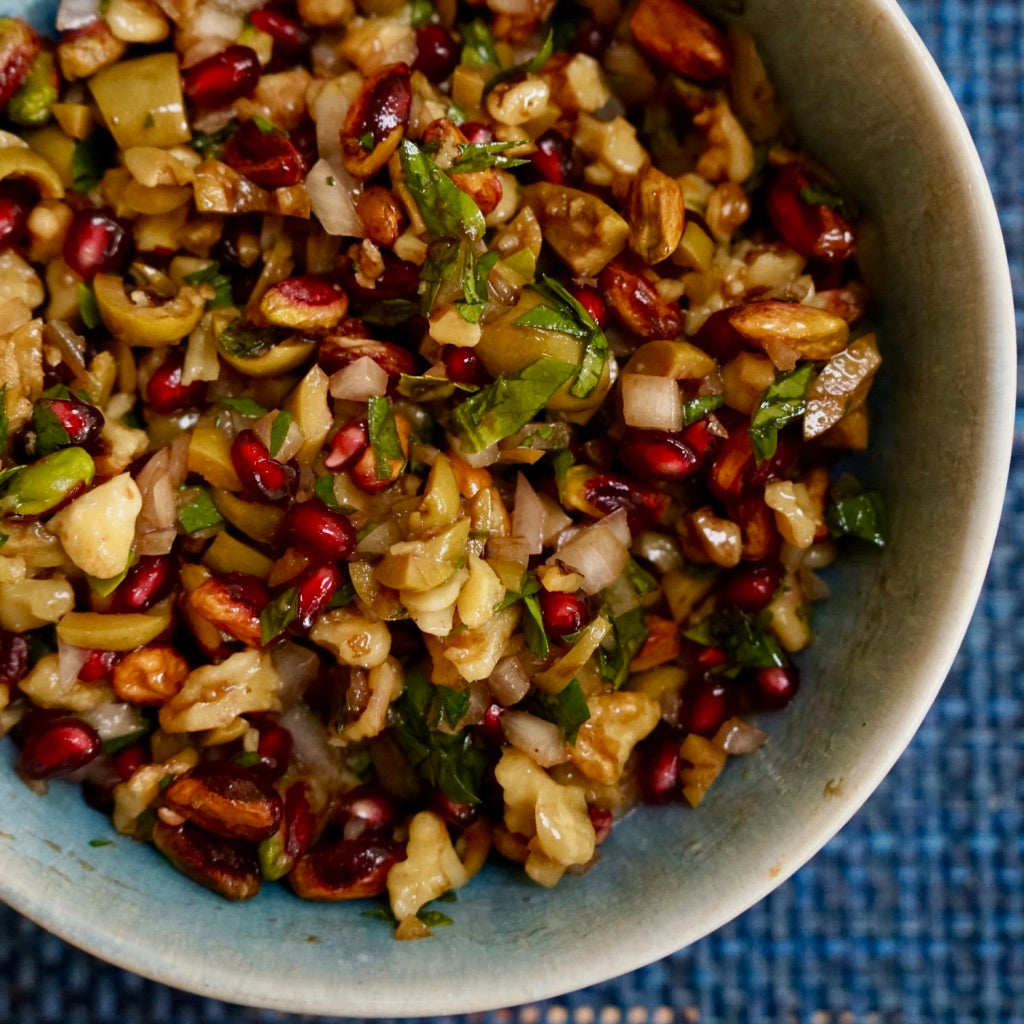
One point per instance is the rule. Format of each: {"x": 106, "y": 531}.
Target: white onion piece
{"x": 298, "y": 667}
{"x": 542, "y": 740}
{"x": 556, "y": 520}
{"x": 597, "y": 554}
{"x": 114, "y": 719}
{"x": 329, "y": 112}
{"x": 69, "y": 661}
{"x": 509, "y": 682}
{"x": 651, "y": 403}
{"x": 74, "y": 14}
{"x": 735, "y": 736}
{"x": 311, "y": 745}
{"x": 529, "y": 516}
{"x": 478, "y": 460}
{"x": 659, "y": 549}
{"x": 618, "y": 523}
{"x": 361, "y": 379}
{"x": 330, "y": 189}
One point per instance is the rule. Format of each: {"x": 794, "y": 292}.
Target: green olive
{"x": 22, "y": 162}
{"x": 149, "y": 325}
{"x": 40, "y": 487}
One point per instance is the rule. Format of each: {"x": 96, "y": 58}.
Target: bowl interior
{"x": 869, "y": 102}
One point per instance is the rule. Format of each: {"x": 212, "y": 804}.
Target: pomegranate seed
{"x": 774, "y": 688}
{"x": 477, "y": 133}
{"x": 489, "y": 727}
{"x": 555, "y": 158}
{"x": 58, "y": 748}
{"x": 659, "y": 771}
{"x": 718, "y": 337}
{"x": 750, "y": 587}
{"x": 128, "y": 760}
{"x": 314, "y": 589}
{"x": 248, "y": 589}
{"x": 95, "y": 244}
{"x": 658, "y": 455}
{"x": 454, "y": 813}
{"x": 148, "y": 581}
{"x": 274, "y": 749}
{"x": 348, "y": 445}
{"x": 15, "y": 203}
{"x": 815, "y": 230}
{"x": 267, "y": 159}
{"x": 366, "y": 808}
{"x": 712, "y": 657}
{"x": 291, "y": 39}
{"x": 591, "y": 301}
{"x": 13, "y": 658}
{"x": 700, "y": 437}
{"x": 98, "y": 665}
{"x": 563, "y": 614}
{"x": 608, "y": 493}
{"x": 261, "y": 475}
{"x": 707, "y": 706}
{"x": 437, "y": 55}
{"x": 602, "y": 821}
{"x": 165, "y": 393}
{"x": 399, "y": 279}
{"x": 589, "y": 39}
{"x": 320, "y": 531}
{"x": 464, "y": 366}
{"x": 222, "y": 78}
{"x": 82, "y": 422}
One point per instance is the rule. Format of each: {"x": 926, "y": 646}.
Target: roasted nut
{"x": 662, "y": 644}
{"x": 347, "y": 869}
{"x": 728, "y": 155}
{"x": 224, "y": 798}
{"x": 226, "y": 866}
{"x": 516, "y": 23}
{"x": 431, "y": 867}
{"x": 309, "y": 303}
{"x": 655, "y": 211}
{"x": 718, "y": 539}
{"x": 376, "y": 120}
{"x": 618, "y": 721}
{"x": 43, "y": 486}
{"x": 675, "y": 33}
{"x": 629, "y": 286}
{"x": 381, "y": 214}
{"x": 82, "y": 52}
{"x": 232, "y": 604}
{"x": 841, "y": 386}
{"x": 150, "y": 676}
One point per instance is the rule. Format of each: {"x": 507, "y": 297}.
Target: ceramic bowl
{"x": 869, "y": 102}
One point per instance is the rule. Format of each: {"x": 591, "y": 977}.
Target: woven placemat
{"x": 914, "y": 913}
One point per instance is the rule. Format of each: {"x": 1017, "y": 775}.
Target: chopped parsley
{"x": 781, "y": 403}
{"x": 535, "y": 63}
{"x": 745, "y": 640}
{"x": 90, "y": 157}
{"x": 244, "y": 406}
{"x": 200, "y": 513}
{"x": 385, "y": 443}
{"x": 246, "y": 341}
{"x": 220, "y": 282}
{"x": 279, "y": 431}
{"x": 567, "y": 709}
{"x": 695, "y": 409}
{"x": 854, "y": 511}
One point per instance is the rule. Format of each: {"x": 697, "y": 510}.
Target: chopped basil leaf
{"x": 200, "y": 513}
{"x": 90, "y": 158}
{"x": 695, "y": 409}
{"x": 278, "y": 615}
{"x": 560, "y": 465}
{"x": 856, "y": 512}
{"x": 101, "y": 842}
{"x": 455, "y": 114}
{"x": 420, "y": 13}
{"x": 425, "y": 388}
{"x": 478, "y": 46}
{"x": 453, "y": 704}
{"x": 781, "y": 403}
{"x": 629, "y": 631}
{"x": 567, "y": 709}
{"x": 221, "y": 284}
{"x": 389, "y": 312}
{"x": 244, "y": 406}
{"x": 4, "y": 538}
{"x": 535, "y": 63}
{"x": 509, "y": 403}
{"x": 105, "y": 587}
{"x": 474, "y": 287}
{"x": 565, "y": 314}
{"x": 267, "y": 127}
{"x": 479, "y": 156}
{"x": 50, "y": 433}
{"x": 533, "y": 621}
{"x": 443, "y": 759}
{"x": 367, "y": 141}
{"x": 641, "y": 580}
{"x": 384, "y": 440}
{"x": 746, "y": 642}
{"x": 324, "y": 490}
{"x": 246, "y": 341}
{"x": 433, "y": 918}
{"x": 446, "y": 210}
{"x": 279, "y": 431}
{"x": 247, "y": 759}
{"x": 344, "y": 595}
{"x": 815, "y": 195}
{"x": 116, "y": 743}
{"x": 88, "y": 308}
{"x": 207, "y": 144}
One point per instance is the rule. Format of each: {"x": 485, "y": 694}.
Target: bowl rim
{"x": 19, "y": 883}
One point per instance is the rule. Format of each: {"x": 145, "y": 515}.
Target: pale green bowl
{"x": 869, "y": 101}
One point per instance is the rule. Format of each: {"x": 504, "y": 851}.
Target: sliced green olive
{"x": 153, "y": 325}
{"x": 20, "y": 162}
{"x": 284, "y": 357}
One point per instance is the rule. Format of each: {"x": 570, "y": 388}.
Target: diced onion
{"x": 330, "y": 189}
{"x": 659, "y": 549}
{"x": 74, "y": 14}
{"x": 359, "y": 380}
{"x": 69, "y": 661}
{"x": 650, "y": 402}
{"x": 509, "y": 682}
{"x": 529, "y": 516}
{"x": 735, "y": 736}
{"x": 542, "y": 740}
{"x": 114, "y": 719}
{"x": 598, "y": 554}
{"x": 311, "y": 745}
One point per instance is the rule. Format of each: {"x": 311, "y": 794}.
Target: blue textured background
{"x": 914, "y": 913}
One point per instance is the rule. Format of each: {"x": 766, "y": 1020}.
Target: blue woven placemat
{"x": 914, "y": 913}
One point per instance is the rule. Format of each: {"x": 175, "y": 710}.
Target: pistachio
{"x": 41, "y": 487}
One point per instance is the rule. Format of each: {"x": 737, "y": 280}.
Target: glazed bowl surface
{"x": 870, "y": 103}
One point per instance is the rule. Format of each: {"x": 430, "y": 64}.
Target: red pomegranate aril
{"x": 268, "y": 159}
{"x": 563, "y": 614}
{"x": 477, "y": 133}
{"x": 313, "y": 592}
{"x": 437, "y": 54}
{"x": 451, "y": 811}
{"x": 750, "y": 587}
{"x": 15, "y": 203}
{"x": 347, "y": 445}
{"x": 58, "y": 748}
{"x": 712, "y": 657}
{"x": 98, "y": 665}
{"x": 320, "y": 531}
{"x": 658, "y": 455}
{"x": 274, "y": 750}
{"x": 464, "y": 366}
{"x": 718, "y": 337}
{"x": 222, "y": 78}
{"x": 700, "y": 437}
{"x": 95, "y": 244}
{"x": 300, "y": 823}
{"x": 366, "y": 808}
{"x": 707, "y": 706}
{"x": 261, "y": 475}
{"x": 165, "y": 392}
{"x": 602, "y": 821}
{"x": 590, "y": 299}
{"x": 291, "y": 38}
{"x": 659, "y": 766}
{"x": 813, "y": 229}
{"x": 775, "y": 687}
{"x": 245, "y": 587}
{"x": 148, "y": 581}
{"x": 82, "y": 422}
{"x": 129, "y": 760}
{"x": 608, "y": 493}
{"x": 13, "y": 658}
{"x": 554, "y": 159}
{"x": 399, "y": 279}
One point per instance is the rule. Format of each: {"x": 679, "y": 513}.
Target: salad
{"x": 421, "y": 426}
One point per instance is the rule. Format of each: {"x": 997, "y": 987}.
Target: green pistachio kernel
{"x": 40, "y": 487}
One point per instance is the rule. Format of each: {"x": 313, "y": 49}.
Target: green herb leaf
{"x": 278, "y": 615}
{"x": 389, "y": 312}
{"x": 533, "y": 621}
{"x": 50, "y": 433}
{"x": 267, "y": 127}
{"x": 479, "y": 156}
{"x": 535, "y": 63}
{"x": 781, "y": 403}
{"x": 746, "y": 642}
{"x": 695, "y": 409}
{"x": 4, "y": 538}
{"x": 244, "y": 406}
{"x": 101, "y": 842}
{"x": 446, "y": 210}
{"x": 815, "y": 195}
{"x": 425, "y": 388}
{"x": 384, "y": 440}
{"x": 478, "y": 46}
{"x": 279, "y": 431}
{"x": 509, "y": 403}
{"x": 856, "y": 512}
{"x": 105, "y": 587}
{"x": 246, "y": 341}
{"x": 420, "y": 13}
{"x": 208, "y": 144}
{"x": 221, "y": 283}
{"x": 629, "y": 631}
{"x": 324, "y": 490}
{"x": 88, "y": 308}
{"x": 200, "y": 513}
{"x": 366, "y": 140}
{"x": 433, "y": 918}
{"x": 567, "y": 709}
{"x": 90, "y": 158}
